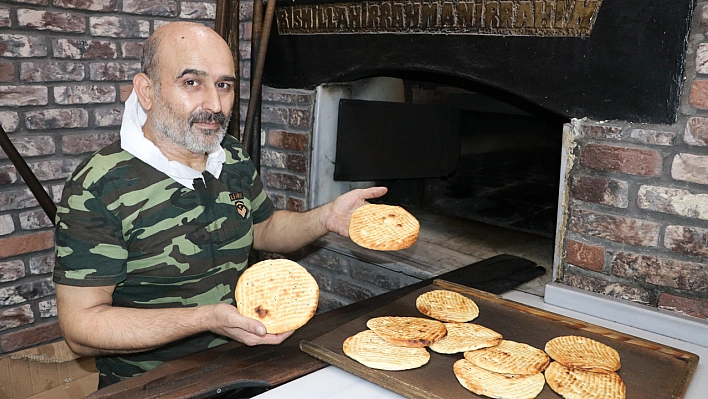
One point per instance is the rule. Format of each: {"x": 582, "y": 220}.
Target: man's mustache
{"x": 207, "y": 117}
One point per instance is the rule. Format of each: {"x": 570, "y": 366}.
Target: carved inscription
{"x": 481, "y": 17}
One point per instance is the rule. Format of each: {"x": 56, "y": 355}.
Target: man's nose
{"x": 211, "y": 100}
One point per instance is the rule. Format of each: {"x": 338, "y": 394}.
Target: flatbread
{"x": 373, "y": 351}
{"x": 383, "y": 227}
{"x": 447, "y": 306}
{"x": 462, "y": 337}
{"x": 580, "y": 384}
{"x": 583, "y": 353}
{"x": 279, "y": 293}
{"x": 496, "y": 385}
{"x": 413, "y": 332}
{"x": 510, "y": 357}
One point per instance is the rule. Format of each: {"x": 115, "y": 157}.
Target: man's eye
{"x": 191, "y": 82}
{"x": 224, "y": 85}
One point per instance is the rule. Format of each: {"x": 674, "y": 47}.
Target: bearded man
{"x": 154, "y": 230}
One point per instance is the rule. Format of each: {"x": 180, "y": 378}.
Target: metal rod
{"x": 253, "y": 100}
{"x": 45, "y": 201}
{"x": 228, "y": 26}
{"x": 256, "y": 84}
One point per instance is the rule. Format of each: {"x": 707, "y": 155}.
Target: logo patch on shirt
{"x": 241, "y": 209}
{"x": 236, "y": 196}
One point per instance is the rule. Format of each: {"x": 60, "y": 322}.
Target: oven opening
{"x": 456, "y": 149}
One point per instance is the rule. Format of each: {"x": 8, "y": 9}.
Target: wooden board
{"x": 649, "y": 369}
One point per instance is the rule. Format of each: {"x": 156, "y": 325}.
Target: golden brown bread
{"x": 583, "y": 353}
{"x": 413, "y": 332}
{"x": 510, "y": 357}
{"x": 383, "y": 227}
{"x": 580, "y": 384}
{"x": 279, "y": 293}
{"x": 447, "y": 306}
{"x": 462, "y": 337}
{"x": 496, "y": 385}
{"x": 373, "y": 351}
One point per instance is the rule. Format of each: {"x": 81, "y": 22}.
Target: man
{"x": 154, "y": 230}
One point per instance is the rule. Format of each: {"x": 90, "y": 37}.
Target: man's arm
{"x": 92, "y": 326}
{"x": 288, "y": 231}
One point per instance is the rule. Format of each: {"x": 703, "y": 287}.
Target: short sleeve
{"x": 90, "y": 248}
{"x": 261, "y": 204}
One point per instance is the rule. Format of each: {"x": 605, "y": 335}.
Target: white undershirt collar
{"x": 132, "y": 139}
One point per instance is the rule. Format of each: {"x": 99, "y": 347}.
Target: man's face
{"x": 195, "y": 94}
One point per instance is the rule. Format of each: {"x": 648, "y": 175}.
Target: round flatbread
{"x": 412, "y": 332}
{"x": 495, "y": 385}
{"x": 279, "y": 293}
{"x": 580, "y": 384}
{"x": 447, "y": 306}
{"x": 383, "y": 227}
{"x": 510, "y": 357}
{"x": 583, "y": 353}
{"x": 373, "y": 351}
{"x": 462, "y": 337}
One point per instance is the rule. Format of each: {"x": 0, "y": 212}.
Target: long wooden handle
{"x": 45, "y": 201}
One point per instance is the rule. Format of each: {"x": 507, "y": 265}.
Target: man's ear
{"x": 145, "y": 90}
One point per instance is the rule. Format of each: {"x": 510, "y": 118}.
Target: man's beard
{"x": 167, "y": 121}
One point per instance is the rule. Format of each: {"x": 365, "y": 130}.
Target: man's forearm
{"x": 289, "y": 231}
{"x": 111, "y": 329}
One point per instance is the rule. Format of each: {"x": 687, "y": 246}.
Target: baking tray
{"x": 649, "y": 369}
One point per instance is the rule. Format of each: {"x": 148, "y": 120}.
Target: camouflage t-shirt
{"x": 122, "y": 222}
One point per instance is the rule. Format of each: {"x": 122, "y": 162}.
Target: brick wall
{"x": 638, "y": 212}
{"x": 65, "y": 70}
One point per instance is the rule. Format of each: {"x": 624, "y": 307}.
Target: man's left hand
{"x": 341, "y": 209}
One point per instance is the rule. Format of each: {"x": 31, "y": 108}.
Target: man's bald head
{"x": 151, "y": 50}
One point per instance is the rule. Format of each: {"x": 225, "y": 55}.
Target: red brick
{"x": 84, "y": 49}
{"x": 615, "y": 228}
{"x": 284, "y": 181}
{"x": 275, "y": 115}
{"x": 296, "y": 163}
{"x": 688, "y": 306}
{"x": 91, "y": 5}
{"x": 132, "y": 49}
{"x": 587, "y": 256}
{"x": 600, "y": 191}
{"x": 287, "y": 140}
{"x": 27, "y": 243}
{"x": 197, "y": 10}
{"x": 664, "y": 272}
{"x": 51, "y": 71}
{"x": 125, "y": 91}
{"x": 300, "y": 117}
{"x": 110, "y": 26}
{"x": 601, "y": 131}
{"x": 699, "y": 94}
{"x": 82, "y": 143}
{"x": 56, "y": 118}
{"x": 7, "y": 71}
{"x": 18, "y": 96}
{"x": 32, "y": 146}
{"x": 673, "y": 200}
{"x": 696, "y": 132}
{"x": 296, "y": 205}
{"x": 12, "y": 45}
{"x": 28, "y": 337}
{"x": 53, "y": 21}
{"x": 612, "y": 289}
{"x": 15, "y": 317}
{"x": 654, "y": 137}
{"x": 633, "y": 161}
{"x": 113, "y": 70}
{"x": 686, "y": 240}
{"x": 11, "y": 271}
{"x": 150, "y": 7}
{"x": 690, "y": 168}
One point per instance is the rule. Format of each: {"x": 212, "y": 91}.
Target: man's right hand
{"x": 226, "y": 320}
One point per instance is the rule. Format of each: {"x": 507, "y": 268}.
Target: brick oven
{"x": 624, "y": 85}
{"x": 630, "y": 161}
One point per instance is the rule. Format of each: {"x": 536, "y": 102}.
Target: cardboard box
{"x": 48, "y": 371}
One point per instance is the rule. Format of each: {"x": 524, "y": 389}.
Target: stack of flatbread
{"x": 510, "y": 370}
{"x": 584, "y": 369}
